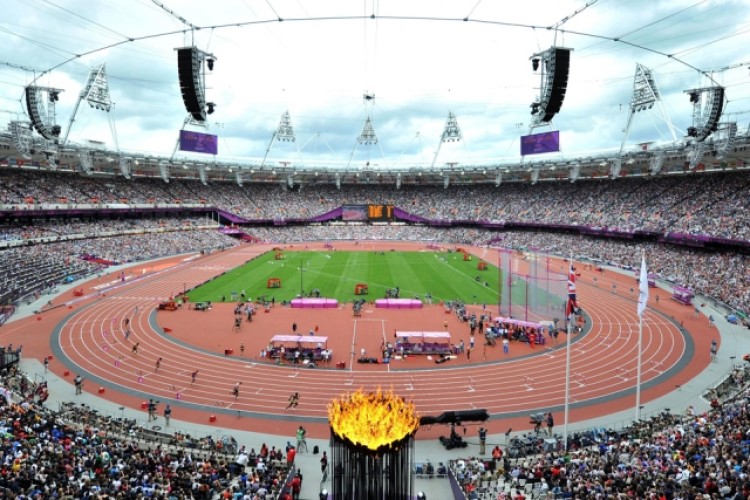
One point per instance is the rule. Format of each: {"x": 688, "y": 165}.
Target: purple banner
{"x": 547, "y": 142}
{"x": 333, "y": 214}
{"x": 403, "y": 215}
{"x": 198, "y": 143}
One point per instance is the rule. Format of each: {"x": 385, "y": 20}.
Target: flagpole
{"x": 567, "y": 386}
{"x": 638, "y": 372}
{"x": 568, "y": 325}
{"x": 642, "y": 302}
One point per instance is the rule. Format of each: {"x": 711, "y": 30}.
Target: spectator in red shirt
{"x": 296, "y": 486}
{"x": 290, "y": 456}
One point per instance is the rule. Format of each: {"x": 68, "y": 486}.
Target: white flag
{"x": 643, "y": 288}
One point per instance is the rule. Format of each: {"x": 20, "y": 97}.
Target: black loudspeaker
{"x": 714, "y": 102}
{"x": 559, "y": 67}
{"x": 716, "y": 108}
{"x": 37, "y": 113}
{"x": 33, "y": 110}
{"x": 189, "y": 61}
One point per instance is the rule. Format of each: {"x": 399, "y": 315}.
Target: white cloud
{"x": 417, "y": 69}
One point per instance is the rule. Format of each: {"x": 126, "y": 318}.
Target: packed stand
{"x": 689, "y": 456}
{"x": 708, "y": 204}
{"x": 698, "y": 204}
{"x": 54, "y": 229}
{"x": 78, "y": 453}
{"x": 33, "y": 270}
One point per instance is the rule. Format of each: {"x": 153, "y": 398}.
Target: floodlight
{"x": 368, "y": 136}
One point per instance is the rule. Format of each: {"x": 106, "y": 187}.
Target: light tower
{"x": 451, "y": 133}
{"x": 283, "y": 133}
{"x": 96, "y": 93}
{"x": 646, "y": 95}
{"x": 367, "y": 137}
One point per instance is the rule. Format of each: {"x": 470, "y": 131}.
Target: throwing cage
{"x": 530, "y": 287}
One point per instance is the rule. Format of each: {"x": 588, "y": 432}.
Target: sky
{"x": 419, "y": 59}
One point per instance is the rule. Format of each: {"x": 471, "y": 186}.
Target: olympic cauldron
{"x": 372, "y": 446}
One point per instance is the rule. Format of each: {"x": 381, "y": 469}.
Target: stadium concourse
{"x": 679, "y": 393}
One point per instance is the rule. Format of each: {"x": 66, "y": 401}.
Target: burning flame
{"x": 372, "y": 420}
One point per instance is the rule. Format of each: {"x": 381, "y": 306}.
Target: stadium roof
{"x": 382, "y": 91}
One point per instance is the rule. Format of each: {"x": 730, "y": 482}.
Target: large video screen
{"x": 547, "y": 142}
{"x": 195, "y": 142}
{"x": 380, "y": 212}
{"x": 354, "y": 213}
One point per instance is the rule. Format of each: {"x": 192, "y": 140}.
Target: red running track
{"x": 88, "y": 337}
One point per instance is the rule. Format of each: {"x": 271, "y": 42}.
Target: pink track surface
{"x": 91, "y": 341}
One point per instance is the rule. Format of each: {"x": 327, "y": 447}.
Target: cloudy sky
{"x": 419, "y": 59}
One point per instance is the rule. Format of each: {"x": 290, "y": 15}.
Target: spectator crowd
{"x": 39, "y": 262}
{"x": 687, "y": 456}
{"x": 76, "y": 453}
{"x": 713, "y": 204}
{"x": 709, "y": 204}
{"x": 696, "y": 457}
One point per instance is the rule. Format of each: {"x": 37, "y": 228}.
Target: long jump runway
{"x": 89, "y": 336}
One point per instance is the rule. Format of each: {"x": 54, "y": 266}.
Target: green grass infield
{"x": 336, "y": 274}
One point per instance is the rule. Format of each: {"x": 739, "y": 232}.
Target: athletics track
{"x": 86, "y": 335}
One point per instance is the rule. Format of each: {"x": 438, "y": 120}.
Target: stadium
{"x": 565, "y": 322}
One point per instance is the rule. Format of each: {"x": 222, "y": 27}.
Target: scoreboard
{"x": 379, "y": 212}
{"x": 369, "y": 213}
